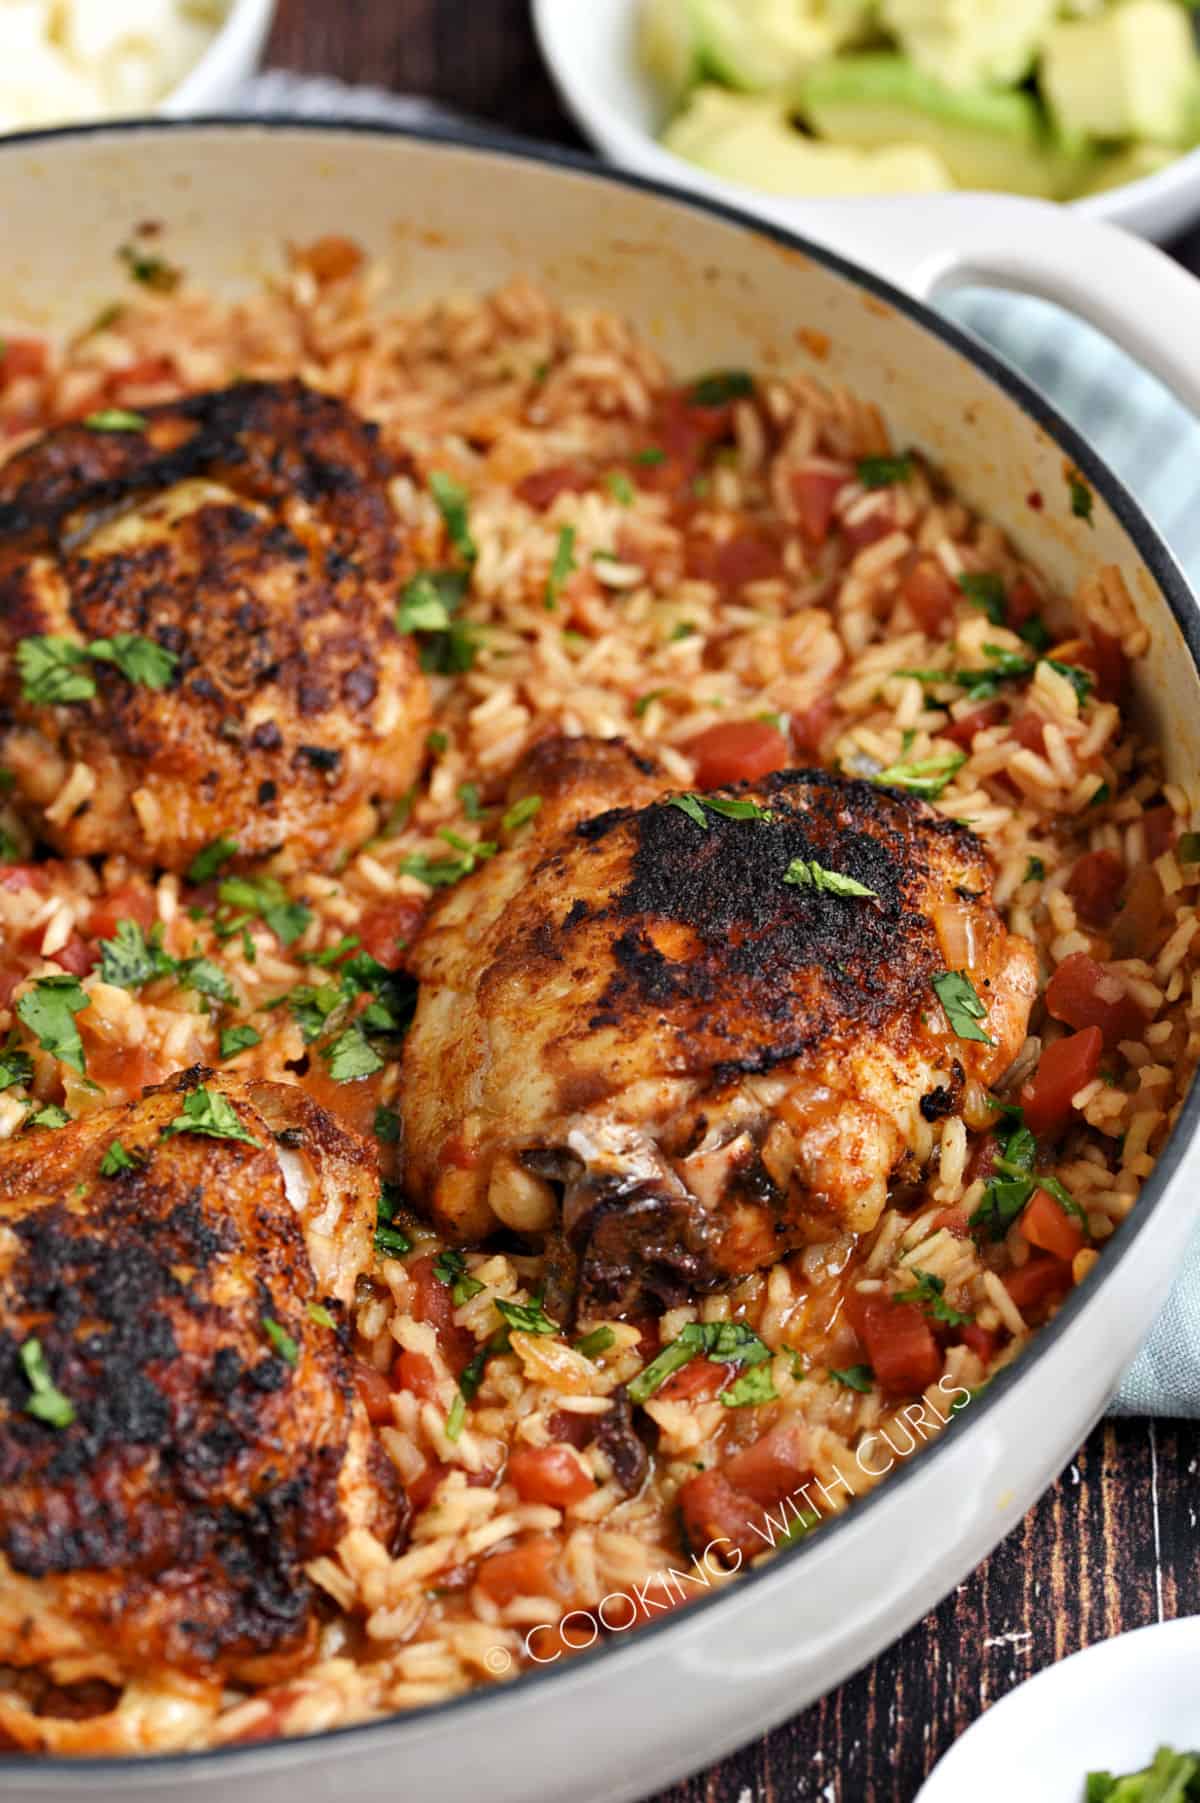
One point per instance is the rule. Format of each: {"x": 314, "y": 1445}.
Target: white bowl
{"x": 1108, "y": 1708}
{"x": 590, "y": 51}
{"x": 231, "y": 57}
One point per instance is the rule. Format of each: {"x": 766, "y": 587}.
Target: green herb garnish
{"x": 725, "y": 1342}
{"x": 721, "y": 386}
{"x": 351, "y": 1056}
{"x": 929, "y": 1294}
{"x": 116, "y": 1159}
{"x": 46, "y": 1402}
{"x": 596, "y": 1342}
{"x": 49, "y": 1010}
{"x": 854, "y": 1377}
{"x": 521, "y": 812}
{"x": 1081, "y": 495}
{"x": 207, "y": 1112}
{"x": 753, "y": 1386}
{"x": 115, "y": 419}
{"x": 927, "y": 777}
{"x": 882, "y": 472}
{"x": 283, "y": 1342}
{"x": 238, "y": 1039}
{"x": 206, "y": 863}
{"x": 808, "y": 874}
{"x": 964, "y": 1010}
{"x": 527, "y": 1317}
{"x": 453, "y": 503}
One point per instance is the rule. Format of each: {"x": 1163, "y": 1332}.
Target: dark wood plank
{"x": 1113, "y": 1545}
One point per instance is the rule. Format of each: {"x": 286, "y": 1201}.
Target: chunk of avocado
{"x": 668, "y": 47}
{"x": 760, "y": 45}
{"x": 988, "y": 138}
{"x": 970, "y": 43}
{"x": 1133, "y": 72}
{"x": 747, "y": 139}
{"x": 1133, "y": 164}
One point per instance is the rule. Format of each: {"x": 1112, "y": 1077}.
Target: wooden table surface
{"x": 1113, "y": 1544}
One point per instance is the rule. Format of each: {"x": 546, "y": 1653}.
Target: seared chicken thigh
{"x": 179, "y": 1428}
{"x": 217, "y": 580}
{"x": 691, "y": 1033}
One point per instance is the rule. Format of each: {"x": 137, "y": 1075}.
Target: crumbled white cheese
{"x": 68, "y": 60}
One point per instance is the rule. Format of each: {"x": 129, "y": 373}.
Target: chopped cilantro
{"x": 49, "y": 1115}
{"x": 437, "y": 742}
{"x": 49, "y": 1010}
{"x": 386, "y": 1126}
{"x": 929, "y": 1294}
{"x": 985, "y": 588}
{"x": 115, "y": 419}
{"x": 283, "y": 1342}
{"x": 310, "y": 1007}
{"x": 854, "y": 1377}
{"x": 429, "y": 599}
{"x": 650, "y": 456}
{"x": 207, "y": 1112}
{"x": 721, "y": 386}
{"x": 521, "y": 812}
{"x": 266, "y": 898}
{"x": 389, "y": 1239}
{"x": 15, "y": 1067}
{"x": 453, "y": 503}
{"x": 456, "y": 1418}
{"x": 468, "y": 795}
{"x": 964, "y": 1010}
{"x": 811, "y": 875}
{"x": 1035, "y": 871}
{"x": 620, "y": 488}
{"x": 129, "y": 960}
{"x": 1188, "y": 849}
{"x": 331, "y": 953}
{"x": 596, "y": 1342}
{"x": 206, "y": 978}
{"x": 683, "y": 629}
{"x": 238, "y": 1039}
{"x": 46, "y": 1401}
{"x": 927, "y": 777}
{"x": 1081, "y": 680}
{"x": 562, "y": 566}
{"x": 116, "y": 1159}
{"x": 205, "y": 865}
{"x": 351, "y": 1056}
{"x": 319, "y": 1315}
{"x": 882, "y": 472}
{"x": 727, "y": 1342}
{"x": 150, "y": 271}
{"x": 729, "y": 809}
{"x": 1081, "y": 495}
{"x": 689, "y": 805}
{"x": 644, "y": 703}
{"x": 51, "y": 671}
{"x": 527, "y": 1317}
{"x": 753, "y": 1386}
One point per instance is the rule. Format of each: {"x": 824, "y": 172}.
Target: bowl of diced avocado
{"x": 1095, "y": 102}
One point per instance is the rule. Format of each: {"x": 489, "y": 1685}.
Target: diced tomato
{"x": 331, "y": 258}
{"x": 1029, "y": 730}
{"x": 1037, "y": 1280}
{"x": 13, "y": 971}
{"x": 773, "y": 1466}
{"x": 414, "y": 1372}
{"x": 24, "y": 876}
{"x": 433, "y": 1302}
{"x": 132, "y": 901}
{"x": 731, "y": 562}
{"x": 963, "y": 731}
{"x": 930, "y": 594}
{"x": 649, "y": 1339}
{"x": 738, "y": 752}
{"x": 1063, "y": 1070}
{"x": 549, "y": 1474}
{"x": 76, "y": 956}
{"x": 524, "y": 1570}
{"x": 700, "y": 1378}
{"x": 1022, "y": 604}
{"x": 1158, "y": 826}
{"x": 810, "y": 726}
{"x": 1082, "y": 993}
{"x": 420, "y": 1489}
{"x": 870, "y": 529}
{"x": 1103, "y": 656}
{"x": 1047, "y": 1224}
{"x": 374, "y": 1391}
{"x": 542, "y": 487}
{"x": 953, "y": 1220}
{"x": 981, "y": 1342}
{"x": 900, "y": 1345}
{"x": 683, "y": 433}
{"x": 1095, "y": 885}
{"x": 117, "y": 1066}
{"x": 718, "y": 1515}
{"x": 814, "y": 493}
{"x": 571, "y": 1429}
{"x": 23, "y": 357}
{"x": 385, "y": 931}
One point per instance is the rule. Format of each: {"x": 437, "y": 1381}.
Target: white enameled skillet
{"x": 710, "y": 287}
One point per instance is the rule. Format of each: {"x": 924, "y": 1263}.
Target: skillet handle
{"x": 1126, "y": 288}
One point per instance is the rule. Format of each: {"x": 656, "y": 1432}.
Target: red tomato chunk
{"x": 549, "y": 1474}
{"x": 1063, "y": 1070}
{"x": 1081, "y": 993}
{"x": 1095, "y": 886}
{"x": 899, "y": 1342}
{"x": 740, "y": 752}
{"x": 1047, "y": 1224}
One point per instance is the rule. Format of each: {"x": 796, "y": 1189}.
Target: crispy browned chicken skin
{"x": 168, "y": 1524}
{"x": 249, "y": 532}
{"x": 632, "y": 1027}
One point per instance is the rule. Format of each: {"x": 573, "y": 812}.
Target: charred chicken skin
{"x": 247, "y": 534}
{"x": 686, "y": 1034}
{"x": 179, "y": 1428}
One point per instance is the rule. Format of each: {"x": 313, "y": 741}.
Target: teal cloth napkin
{"x": 1153, "y": 444}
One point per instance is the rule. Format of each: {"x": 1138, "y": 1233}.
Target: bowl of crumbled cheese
{"x": 63, "y": 62}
